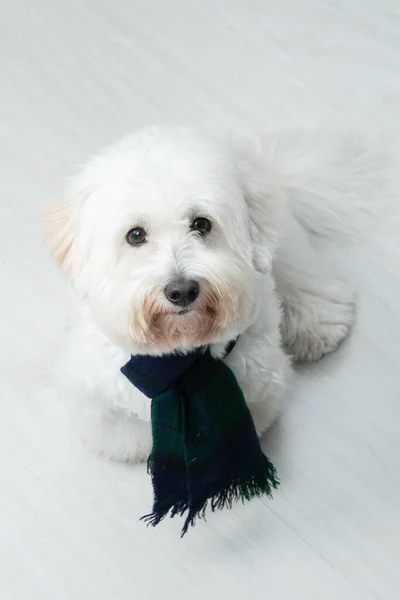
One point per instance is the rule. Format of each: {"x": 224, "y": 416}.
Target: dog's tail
{"x": 336, "y": 184}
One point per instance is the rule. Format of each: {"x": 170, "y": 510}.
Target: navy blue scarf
{"x": 205, "y": 447}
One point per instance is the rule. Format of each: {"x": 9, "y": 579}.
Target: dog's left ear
{"x": 56, "y": 225}
{"x": 264, "y": 198}
{"x": 59, "y": 225}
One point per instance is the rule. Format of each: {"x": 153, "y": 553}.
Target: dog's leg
{"x": 267, "y": 408}
{"x": 259, "y": 363}
{"x": 262, "y": 372}
{"x": 318, "y": 304}
{"x": 112, "y": 433}
{"x": 107, "y": 414}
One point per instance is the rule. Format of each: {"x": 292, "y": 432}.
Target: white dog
{"x": 173, "y": 241}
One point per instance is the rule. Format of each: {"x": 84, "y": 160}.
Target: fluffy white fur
{"x": 259, "y": 274}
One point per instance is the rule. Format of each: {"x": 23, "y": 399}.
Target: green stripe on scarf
{"x": 205, "y": 447}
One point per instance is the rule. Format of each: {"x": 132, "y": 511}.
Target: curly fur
{"x": 259, "y": 274}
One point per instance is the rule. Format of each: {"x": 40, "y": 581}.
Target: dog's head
{"x": 163, "y": 235}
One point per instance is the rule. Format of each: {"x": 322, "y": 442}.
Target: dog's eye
{"x": 136, "y": 236}
{"x": 201, "y": 225}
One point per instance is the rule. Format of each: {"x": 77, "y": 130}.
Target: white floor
{"x": 75, "y": 74}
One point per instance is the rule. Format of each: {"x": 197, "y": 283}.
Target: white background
{"x": 75, "y": 75}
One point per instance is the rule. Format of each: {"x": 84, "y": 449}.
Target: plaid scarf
{"x": 205, "y": 447}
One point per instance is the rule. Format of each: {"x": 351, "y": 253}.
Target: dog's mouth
{"x": 183, "y": 311}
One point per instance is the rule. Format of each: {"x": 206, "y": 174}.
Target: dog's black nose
{"x": 182, "y": 292}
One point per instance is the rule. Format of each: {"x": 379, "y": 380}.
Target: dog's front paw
{"x": 117, "y": 437}
{"x": 316, "y": 321}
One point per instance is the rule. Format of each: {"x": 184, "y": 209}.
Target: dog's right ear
{"x": 264, "y": 199}
{"x": 59, "y": 226}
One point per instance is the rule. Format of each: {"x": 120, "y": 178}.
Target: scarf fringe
{"x": 238, "y": 490}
